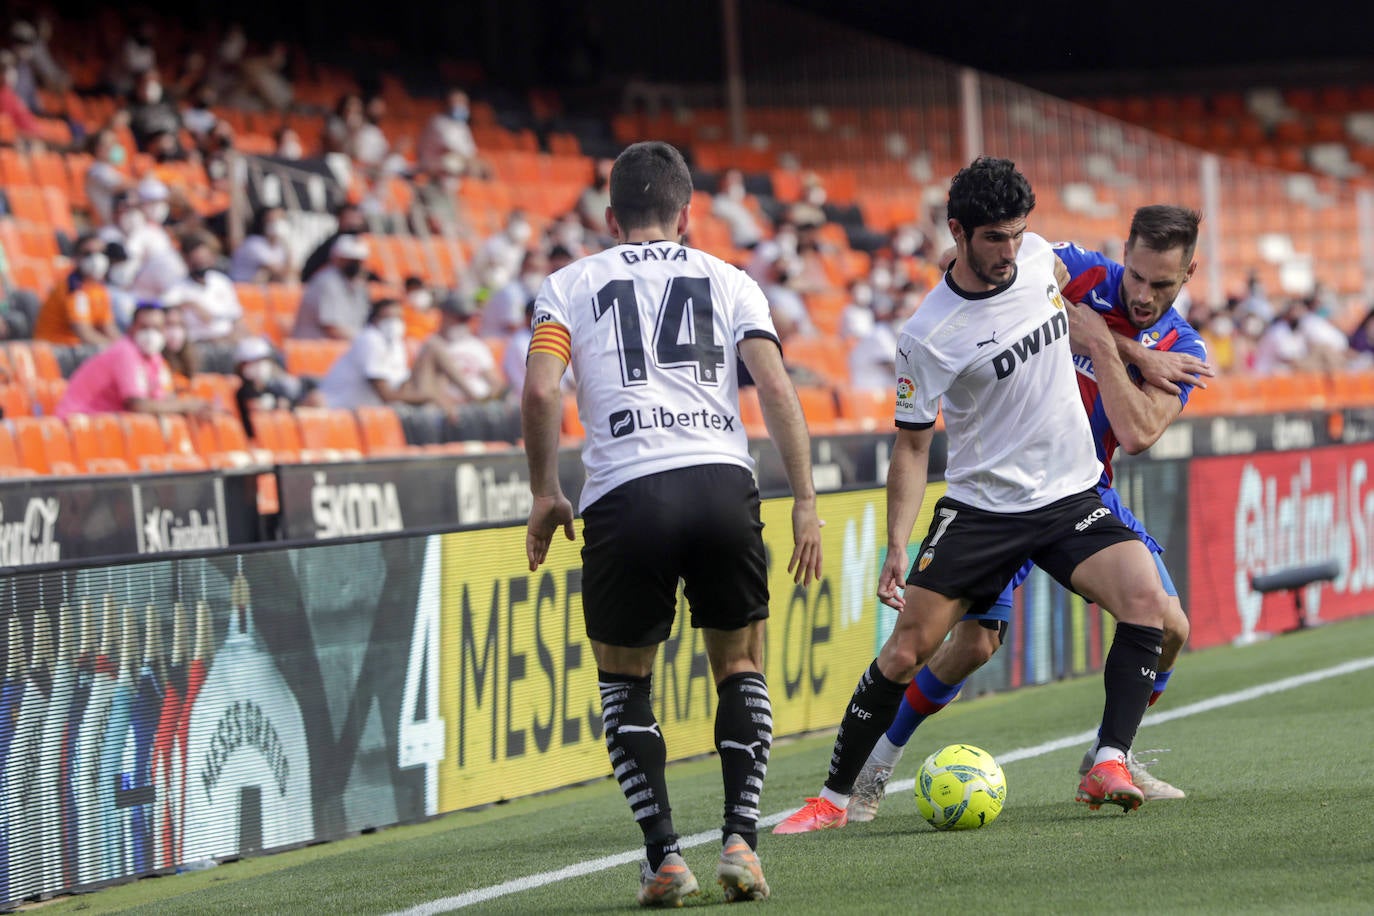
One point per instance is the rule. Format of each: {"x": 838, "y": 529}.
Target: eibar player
{"x": 653, "y": 329}
{"x": 1022, "y": 474}
{"x": 1137, "y": 298}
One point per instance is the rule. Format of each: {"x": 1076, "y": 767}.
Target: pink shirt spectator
{"x": 105, "y": 382}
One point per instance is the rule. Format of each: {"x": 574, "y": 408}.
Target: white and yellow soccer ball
{"x": 960, "y": 787}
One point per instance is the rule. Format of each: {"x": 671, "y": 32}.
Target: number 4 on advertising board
{"x": 421, "y": 737}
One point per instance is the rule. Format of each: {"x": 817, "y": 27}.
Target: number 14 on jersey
{"x": 684, "y": 333}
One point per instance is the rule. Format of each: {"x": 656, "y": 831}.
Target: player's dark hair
{"x": 650, "y": 184}
{"x": 989, "y": 191}
{"x": 1163, "y": 227}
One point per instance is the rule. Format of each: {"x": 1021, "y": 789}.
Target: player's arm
{"x": 906, "y": 488}
{"x": 786, "y": 424}
{"x": 1138, "y": 414}
{"x": 541, "y": 418}
{"x": 1164, "y": 369}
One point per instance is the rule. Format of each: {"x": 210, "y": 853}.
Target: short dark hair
{"x": 650, "y": 184}
{"x": 1163, "y": 227}
{"x": 989, "y": 191}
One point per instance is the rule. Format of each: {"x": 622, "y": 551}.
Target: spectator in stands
{"x": 264, "y": 256}
{"x": 199, "y": 117}
{"x": 422, "y": 318}
{"x": 1362, "y": 338}
{"x": 150, "y": 112}
{"x": 30, "y": 44}
{"x": 592, "y": 204}
{"x": 874, "y": 355}
{"x": 499, "y": 257}
{"x": 22, "y": 38}
{"x": 335, "y": 301}
{"x": 341, "y": 128}
{"x": 79, "y": 310}
{"x": 264, "y": 83}
{"x": 504, "y": 309}
{"x": 264, "y": 384}
{"x": 517, "y": 350}
{"x": 374, "y": 369}
{"x": 136, "y": 57}
{"x": 18, "y": 307}
{"x": 857, "y": 319}
{"x": 567, "y": 232}
{"x": 25, "y": 122}
{"x": 446, "y": 146}
{"x": 1283, "y": 348}
{"x": 369, "y": 147}
{"x": 105, "y": 179}
{"x": 1256, "y": 301}
{"x": 457, "y": 354}
{"x": 130, "y": 374}
{"x": 1218, "y": 332}
{"x": 790, "y": 317}
{"x": 351, "y": 222}
{"x": 730, "y": 206}
{"x": 213, "y": 311}
{"x": 289, "y": 146}
{"x": 149, "y": 244}
{"x": 119, "y": 282}
{"x": 181, "y": 353}
{"x": 1326, "y": 342}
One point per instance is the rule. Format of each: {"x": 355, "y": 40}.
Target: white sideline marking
{"x": 591, "y": 866}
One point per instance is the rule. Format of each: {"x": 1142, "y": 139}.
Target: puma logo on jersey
{"x": 1005, "y": 363}
{"x": 984, "y": 343}
{"x": 634, "y": 256}
{"x": 906, "y": 354}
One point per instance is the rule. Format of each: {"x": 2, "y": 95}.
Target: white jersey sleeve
{"x": 922, "y": 379}
{"x": 654, "y": 331}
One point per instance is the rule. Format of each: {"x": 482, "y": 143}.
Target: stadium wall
{"x": 155, "y": 713}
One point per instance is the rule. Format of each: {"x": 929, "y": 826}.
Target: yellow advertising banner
{"x": 517, "y": 681}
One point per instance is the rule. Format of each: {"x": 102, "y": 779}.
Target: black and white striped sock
{"x": 744, "y": 736}
{"x": 638, "y": 755}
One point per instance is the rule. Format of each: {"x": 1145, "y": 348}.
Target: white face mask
{"x": 154, "y": 93}
{"x": 393, "y": 329}
{"x": 176, "y": 337}
{"x": 94, "y": 265}
{"x": 863, "y": 296}
{"x": 291, "y": 149}
{"x": 259, "y": 372}
{"x": 130, "y": 221}
{"x": 532, "y": 281}
{"x": 421, "y": 299}
{"x": 881, "y": 278}
{"x": 149, "y": 341}
{"x": 158, "y": 211}
{"x": 519, "y": 231}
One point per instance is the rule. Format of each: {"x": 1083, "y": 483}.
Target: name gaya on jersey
{"x": 1095, "y": 280}
{"x": 998, "y": 364}
{"x": 652, "y": 331}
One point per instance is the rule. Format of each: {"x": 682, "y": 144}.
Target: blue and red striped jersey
{"x": 1096, "y": 281}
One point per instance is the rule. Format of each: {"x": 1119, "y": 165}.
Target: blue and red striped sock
{"x": 924, "y": 697}
{"x": 1161, "y": 681}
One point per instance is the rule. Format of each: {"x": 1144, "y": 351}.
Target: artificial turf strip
{"x": 1279, "y": 818}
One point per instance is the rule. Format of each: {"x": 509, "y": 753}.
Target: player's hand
{"x": 1164, "y": 368}
{"x": 805, "y": 564}
{"x": 546, "y": 515}
{"x": 892, "y": 580}
{"x": 1087, "y": 328}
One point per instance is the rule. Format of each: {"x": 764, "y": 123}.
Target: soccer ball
{"x": 960, "y": 787}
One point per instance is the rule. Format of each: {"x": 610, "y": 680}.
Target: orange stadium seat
{"x": 868, "y": 409}
{"x": 15, "y": 401}
{"x": 10, "y": 465}
{"x": 277, "y": 432}
{"x": 47, "y": 394}
{"x": 572, "y": 423}
{"x": 750, "y": 413}
{"x": 312, "y": 357}
{"x": 142, "y": 436}
{"x": 176, "y": 435}
{"x": 818, "y": 405}
{"x": 826, "y": 356}
{"x": 329, "y": 433}
{"x": 382, "y": 433}
{"x": 44, "y": 445}
{"x": 97, "y": 443}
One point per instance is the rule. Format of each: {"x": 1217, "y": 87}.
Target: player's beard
{"x": 983, "y": 270}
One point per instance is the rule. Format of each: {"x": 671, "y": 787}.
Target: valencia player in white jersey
{"x": 991, "y": 345}
{"x": 652, "y": 329}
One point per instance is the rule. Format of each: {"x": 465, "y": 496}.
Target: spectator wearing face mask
{"x": 446, "y": 146}
{"x": 150, "y": 246}
{"x": 374, "y": 369}
{"x": 731, "y": 205}
{"x": 351, "y": 221}
{"x": 212, "y": 307}
{"x": 289, "y": 145}
{"x": 422, "y": 318}
{"x": 79, "y": 309}
{"x": 150, "y": 112}
{"x": 119, "y": 280}
{"x": 505, "y": 307}
{"x": 456, "y": 359}
{"x": 264, "y": 384}
{"x": 335, "y": 302}
{"x": 129, "y": 375}
{"x": 499, "y": 257}
{"x": 105, "y": 179}
{"x": 179, "y": 351}
{"x": 264, "y": 256}
{"x": 592, "y": 203}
